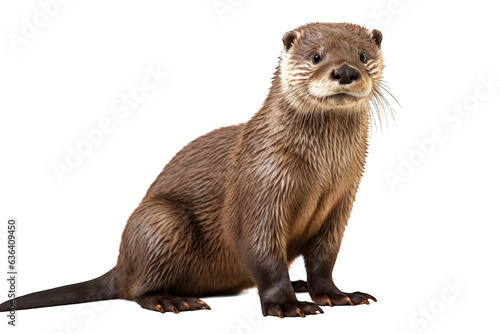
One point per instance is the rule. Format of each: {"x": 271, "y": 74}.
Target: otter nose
{"x": 345, "y": 74}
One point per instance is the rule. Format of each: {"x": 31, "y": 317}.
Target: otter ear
{"x": 288, "y": 40}
{"x": 377, "y": 37}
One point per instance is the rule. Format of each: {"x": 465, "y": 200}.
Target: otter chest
{"x": 320, "y": 194}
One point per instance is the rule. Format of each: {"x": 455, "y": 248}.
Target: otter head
{"x": 327, "y": 66}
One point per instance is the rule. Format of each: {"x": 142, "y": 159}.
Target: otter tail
{"x": 101, "y": 288}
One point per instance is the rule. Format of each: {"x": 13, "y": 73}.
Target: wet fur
{"x": 258, "y": 191}
{"x": 234, "y": 207}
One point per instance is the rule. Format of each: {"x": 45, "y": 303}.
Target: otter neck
{"x": 337, "y": 136}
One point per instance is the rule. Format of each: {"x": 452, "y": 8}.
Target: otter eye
{"x": 362, "y": 57}
{"x": 316, "y": 58}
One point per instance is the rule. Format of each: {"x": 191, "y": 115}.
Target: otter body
{"x": 197, "y": 187}
{"x": 236, "y": 206}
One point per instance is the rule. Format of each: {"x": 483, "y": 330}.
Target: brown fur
{"x": 259, "y": 193}
{"x": 234, "y": 207}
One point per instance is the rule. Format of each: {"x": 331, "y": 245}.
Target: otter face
{"x": 330, "y": 65}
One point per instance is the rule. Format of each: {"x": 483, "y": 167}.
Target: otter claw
{"x": 300, "y": 313}
{"x": 349, "y": 300}
{"x": 204, "y": 305}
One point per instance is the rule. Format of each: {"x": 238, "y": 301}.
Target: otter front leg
{"x": 320, "y": 256}
{"x": 276, "y": 292}
{"x": 324, "y": 292}
{"x": 261, "y": 245}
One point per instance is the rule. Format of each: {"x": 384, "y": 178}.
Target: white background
{"x": 437, "y": 226}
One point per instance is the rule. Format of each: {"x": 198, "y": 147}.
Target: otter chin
{"x": 236, "y": 206}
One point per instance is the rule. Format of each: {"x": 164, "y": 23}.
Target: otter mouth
{"x": 341, "y": 98}
{"x": 339, "y": 95}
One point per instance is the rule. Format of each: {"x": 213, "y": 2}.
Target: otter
{"x": 236, "y": 206}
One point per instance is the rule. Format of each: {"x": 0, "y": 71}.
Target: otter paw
{"x": 343, "y": 298}
{"x": 167, "y": 303}
{"x": 291, "y": 309}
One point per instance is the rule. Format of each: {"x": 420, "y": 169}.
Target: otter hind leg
{"x": 166, "y": 259}
{"x": 156, "y": 257}
{"x": 157, "y": 253}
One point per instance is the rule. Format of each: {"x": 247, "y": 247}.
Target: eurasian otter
{"x": 234, "y": 207}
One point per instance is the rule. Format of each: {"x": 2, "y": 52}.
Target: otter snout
{"x": 345, "y": 74}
